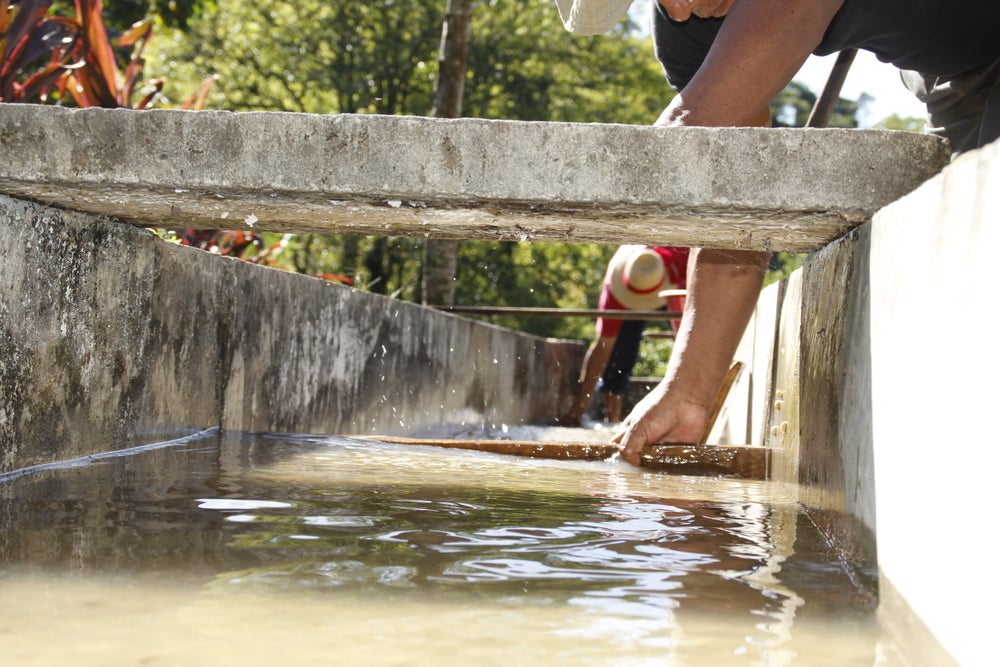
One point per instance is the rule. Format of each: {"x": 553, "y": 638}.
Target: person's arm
{"x": 760, "y": 46}
{"x": 722, "y": 293}
{"x": 594, "y": 362}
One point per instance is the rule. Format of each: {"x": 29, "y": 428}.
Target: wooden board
{"x": 707, "y": 460}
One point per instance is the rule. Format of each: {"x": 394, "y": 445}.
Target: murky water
{"x": 262, "y": 550}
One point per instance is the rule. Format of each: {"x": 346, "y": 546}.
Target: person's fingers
{"x": 631, "y": 443}
{"x": 681, "y": 10}
{"x": 678, "y": 10}
{"x": 632, "y": 452}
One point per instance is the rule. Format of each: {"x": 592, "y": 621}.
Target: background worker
{"x": 728, "y": 59}
{"x": 635, "y": 277}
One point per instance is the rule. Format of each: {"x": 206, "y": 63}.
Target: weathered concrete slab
{"x": 793, "y": 190}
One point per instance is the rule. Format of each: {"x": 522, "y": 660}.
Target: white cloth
{"x": 591, "y": 17}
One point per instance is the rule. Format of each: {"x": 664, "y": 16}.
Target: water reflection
{"x": 638, "y": 559}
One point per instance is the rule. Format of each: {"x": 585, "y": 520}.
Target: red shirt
{"x": 676, "y": 261}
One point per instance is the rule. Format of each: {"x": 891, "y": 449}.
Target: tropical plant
{"x": 71, "y": 61}
{"x": 35, "y": 49}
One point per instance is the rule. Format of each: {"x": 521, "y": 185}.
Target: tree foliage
{"x": 792, "y": 106}
{"x": 897, "y": 122}
{"x": 311, "y": 56}
{"x": 380, "y": 57}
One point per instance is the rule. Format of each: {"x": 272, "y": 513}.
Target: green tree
{"x": 524, "y": 65}
{"x": 310, "y": 55}
{"x": 791, "y": 108}
{"x": 544, "y": 275}
{"x": 897, "y": 122}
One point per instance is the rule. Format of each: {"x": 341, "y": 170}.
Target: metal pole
{"x": 561, "y": 312}
{"x": 822, "y": 111}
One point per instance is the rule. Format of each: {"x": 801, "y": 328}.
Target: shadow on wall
{"x": 836, "y": 453}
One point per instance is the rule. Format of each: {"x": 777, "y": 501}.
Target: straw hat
{"x": 591, "y": 17}
{"x": 637, "y": 277}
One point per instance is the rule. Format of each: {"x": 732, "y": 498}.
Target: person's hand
{"x": 660, "y": 417}
{"x": 681, "y": 10}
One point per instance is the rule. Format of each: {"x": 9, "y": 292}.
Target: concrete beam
{"x": 770, "y": 189}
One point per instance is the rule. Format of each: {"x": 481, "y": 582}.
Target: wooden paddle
{"x": 707, "y": 460}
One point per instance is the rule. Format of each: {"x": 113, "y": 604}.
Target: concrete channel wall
{"x": 111, "y": 337}
{"x": 872, "y": 375}
{"x": 934, "y": 396}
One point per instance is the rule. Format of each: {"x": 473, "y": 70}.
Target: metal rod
{"x": 515, "y": 311}
{"x": 822, "y": 111}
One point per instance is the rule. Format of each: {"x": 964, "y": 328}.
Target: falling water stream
{"x": 243, "y": 549}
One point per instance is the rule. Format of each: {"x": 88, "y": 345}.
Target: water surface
{"x": 250, "y": 549}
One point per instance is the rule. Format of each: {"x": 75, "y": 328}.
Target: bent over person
{"x": 637, "y": 278}
{"x": 727, "y": 59}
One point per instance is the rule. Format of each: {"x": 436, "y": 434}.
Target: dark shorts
{"x": 623, "y": 357}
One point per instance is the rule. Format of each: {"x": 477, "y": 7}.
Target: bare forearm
{"x": 594, "y": 362}
{"x": 722, "y": 294}
{"x": 761, "y": 45}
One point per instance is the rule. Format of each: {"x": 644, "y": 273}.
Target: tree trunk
{"x": 375, "y": 264}
{"x": 441, "y": 256}
{"x": 453, "y": 59}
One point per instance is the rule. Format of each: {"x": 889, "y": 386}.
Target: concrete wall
{"x": 111, "y": 337}
{"x": 879, "y": 385}
{"x": 934, "y": 392}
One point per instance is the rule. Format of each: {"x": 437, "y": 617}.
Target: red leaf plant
{"x": 47, "y": 56}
